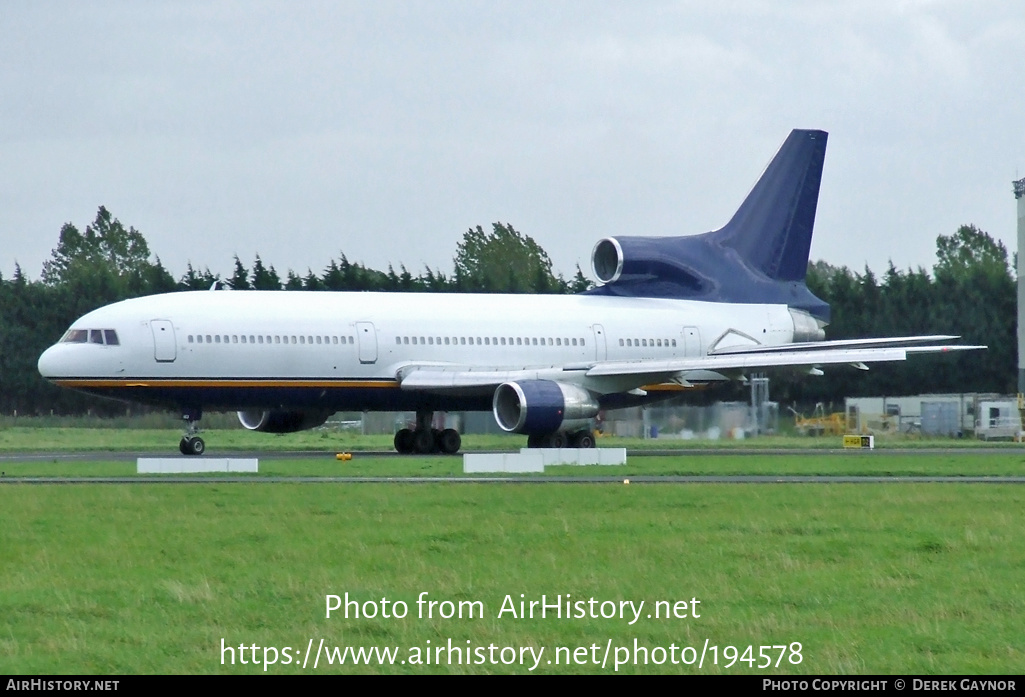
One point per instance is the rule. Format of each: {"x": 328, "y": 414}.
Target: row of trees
{"x": 971, "y": 293}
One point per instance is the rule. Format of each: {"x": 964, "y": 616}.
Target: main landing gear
{"x": 191, "y": 444}
{"x": 561, "y": 439}
{"x": 424, "y": 439}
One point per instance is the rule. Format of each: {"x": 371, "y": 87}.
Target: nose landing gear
{"x": 191, "y": 444}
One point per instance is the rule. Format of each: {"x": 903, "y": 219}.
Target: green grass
{"x": 150, "y": 435}
{"x": 878, "y": 463}
{"x": 869, "y": 579}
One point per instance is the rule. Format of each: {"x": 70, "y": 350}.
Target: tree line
{"x": 971, "y": 292}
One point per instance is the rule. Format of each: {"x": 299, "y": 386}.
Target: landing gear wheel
{"x": 404, "y": 441}
{"x": 557, "y": 440}
{"x": 193, "y": 445}
{"x": 582, "y": 439}
{"x": 449, "y": 441}
{"x": 423, "y": 441}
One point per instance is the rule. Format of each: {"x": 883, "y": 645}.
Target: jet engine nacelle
{"x": 282, "y": 421}
{"x": 646, "y": 258}
{"x": 542, "y": 406}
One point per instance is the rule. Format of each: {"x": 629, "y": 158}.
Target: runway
{"x": 118, "y": 456}
{"x": 526, "y": 479}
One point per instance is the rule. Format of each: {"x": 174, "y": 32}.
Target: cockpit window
{"x": 76, "y": 336}
{"x": 91, "y": 336}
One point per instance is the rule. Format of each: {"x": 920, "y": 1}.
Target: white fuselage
{"x": 241, "y": 349}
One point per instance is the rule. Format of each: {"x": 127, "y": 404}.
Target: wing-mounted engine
{"x": 537, "y": 407}
{"x": 278, "y": 421}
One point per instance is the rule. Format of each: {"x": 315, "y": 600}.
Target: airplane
{"x": 671, "y": 315}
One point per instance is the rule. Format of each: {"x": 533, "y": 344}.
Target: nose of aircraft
{"x": 49, "y": 363}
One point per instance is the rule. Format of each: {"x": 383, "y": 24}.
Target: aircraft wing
{"x": 810, "y": 354}
{"x": 855, "y": 352}
{"x": 471, "y": 380}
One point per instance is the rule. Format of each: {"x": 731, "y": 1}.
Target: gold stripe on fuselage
{"x": 199, "y": 382}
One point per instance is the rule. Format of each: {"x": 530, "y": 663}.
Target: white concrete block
{"x": 478, "y": 463}
{"x": 191, "y": 465}
{"x": 580, "y": 456}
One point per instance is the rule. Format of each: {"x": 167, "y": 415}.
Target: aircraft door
{"x": 165, "y": 349}
{"x": 691, "y": 342}
{"x": 600, "y": 347}
{"x": 366, "y": 335}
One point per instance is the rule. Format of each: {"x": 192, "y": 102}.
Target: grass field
{"x": 879, "y": 463}
{"x": 868, "y": 579}
{"x": 150, "y": 579}
{"x": 17, "y": 436}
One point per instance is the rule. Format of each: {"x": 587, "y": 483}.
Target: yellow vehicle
{"x": 820, "y": 423}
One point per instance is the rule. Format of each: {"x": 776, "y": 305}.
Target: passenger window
{"x": 209, "y": 340}
{"x": 190, "y": 338}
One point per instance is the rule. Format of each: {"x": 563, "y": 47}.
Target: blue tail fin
{"x": 772, "y": 228}
{"x": 760, "y": 256}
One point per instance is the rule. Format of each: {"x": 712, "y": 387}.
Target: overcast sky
{"x": 301, "y": 130}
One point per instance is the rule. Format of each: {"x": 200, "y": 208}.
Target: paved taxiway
{"x": 117, "y": 456}
{"x": 526, "y": 479}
